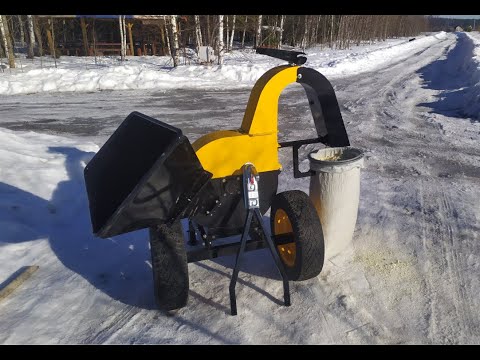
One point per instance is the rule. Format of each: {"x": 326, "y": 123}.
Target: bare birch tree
{"x": 122, "y": 30}
{"x": 220, "y": 40}
{"x": 244, "y": 29}
{"x": 7, "y": 41}
{"x": 198, "y": 32}
{"x": 331, "y": 30}
{"x": 209, "y": 38}
{"x": 124, "y": 39}
{"x": 280, "y": 35}
{"x": 227, "y": 33}
{"x": 22, "y": 33}
{"x": 167, "y": 37}
{"x": 305, "y": 33}
{"x": 38, "y": 34}
{"x": 31, "y": 36}
{"x": 173, "y": 33}
{"x": 233, "y": 31}
{"x": 258, "y": 37}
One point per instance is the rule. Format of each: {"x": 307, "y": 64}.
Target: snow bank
{"x": 27, "y": 157}
{"x": 472, "y": 99}
{"x": 241, "y": 68}
{"x": 354, "y": 63}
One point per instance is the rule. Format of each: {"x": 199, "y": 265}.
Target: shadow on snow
{"x": 118, "y": 266}
{"x": 455, "y": 76}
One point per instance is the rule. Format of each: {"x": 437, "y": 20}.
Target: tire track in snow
{"x": 440, "y": 228}
{"x": 111, "y": 326}
{"x": 455, "y": 262}
{"x": 450, "y": 255}
{"x": 380, "y": 94}
{"x": 388, "y": 103}
{"x": 445, "y": 280}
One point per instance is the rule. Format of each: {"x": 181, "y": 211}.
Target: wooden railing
{"x": 103, "y": 48}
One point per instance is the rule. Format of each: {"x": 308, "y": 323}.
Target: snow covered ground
{"x": 411, "y": 275}
{"x": 241, "y": 69}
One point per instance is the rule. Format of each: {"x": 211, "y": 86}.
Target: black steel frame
{"x": 293, "y": 57}
{"x": 212, "y": 252}
{"x": 260, "y": 239}
{"x": 296, "y": 144}
{"x": 276, "y": 258}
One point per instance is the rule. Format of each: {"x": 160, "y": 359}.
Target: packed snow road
{"x": 410, "y": 277}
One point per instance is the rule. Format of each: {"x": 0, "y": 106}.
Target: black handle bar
{"x": 293, "y": 57}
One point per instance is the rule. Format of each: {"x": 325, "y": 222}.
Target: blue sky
{"x": 461, "y": 16}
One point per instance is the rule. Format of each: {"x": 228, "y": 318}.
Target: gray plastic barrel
{"x": 335, "y": 192}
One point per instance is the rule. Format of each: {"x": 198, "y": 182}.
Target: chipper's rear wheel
{"x": 169, "y": 265}
{"x": 300, "y": 244}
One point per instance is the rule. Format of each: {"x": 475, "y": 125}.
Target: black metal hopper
{"x": 147, "y": 173}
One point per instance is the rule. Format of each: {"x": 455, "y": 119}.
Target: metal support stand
{"x": 254, "y": 210}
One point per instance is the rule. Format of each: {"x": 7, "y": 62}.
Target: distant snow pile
{"x": 441, "y": 35}
{"x": 241, "y": 68}
{"x": 128, "y": 76}
{"x": 472, "y": 99}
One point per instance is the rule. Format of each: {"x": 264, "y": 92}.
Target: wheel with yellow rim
{"x": 298, "y": 234}
{"x": 169, "y": 266}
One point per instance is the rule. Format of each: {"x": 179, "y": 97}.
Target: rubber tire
{"x": 169, "y": 266}
{"x": 307, "y": 231}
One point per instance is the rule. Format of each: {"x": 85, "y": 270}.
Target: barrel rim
{"x": 337, "y": 162}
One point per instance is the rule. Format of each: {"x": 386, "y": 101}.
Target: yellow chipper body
{"x": 148, "y": 175}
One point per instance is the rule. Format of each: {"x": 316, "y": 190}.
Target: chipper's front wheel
{"x": 298, "y": 234}
{"x": 169, "y": 265}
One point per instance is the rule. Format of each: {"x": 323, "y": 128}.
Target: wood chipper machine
{"x": 149, "y": 175}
